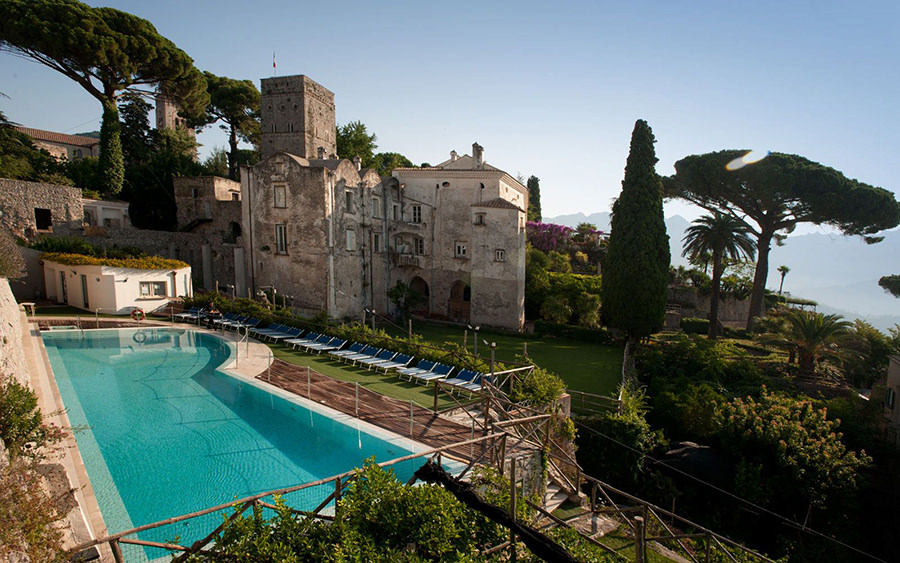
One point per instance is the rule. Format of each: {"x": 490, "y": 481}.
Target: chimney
{"x": 357, "y": 162}
{"x": 453, "y": 156}
{"x": 321, "y": 153}
{"x": 478, "y": 155}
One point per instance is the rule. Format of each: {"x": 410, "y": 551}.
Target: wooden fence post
{"x": 117, "y": 551}
{"x": 638, "y": 539}
{"x": 512, "y": 508}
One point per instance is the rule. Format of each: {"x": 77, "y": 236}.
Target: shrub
{"x": 21, "y": 422}
{"x": 695, "y": 326}
{"x": 594, "y": 335}
{"x": 144, "y": 263}
{"x": 540, "y": 387}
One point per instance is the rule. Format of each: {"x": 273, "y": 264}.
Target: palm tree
{"x": 723, "y": 237}
{"x": 783, "y": 270}
{"x": 813, "y": 336}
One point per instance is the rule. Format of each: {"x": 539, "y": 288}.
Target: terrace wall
{"x": 12, "y": 356}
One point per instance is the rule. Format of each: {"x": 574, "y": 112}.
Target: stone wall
{"x": 732, "y": 312}
{"x": 62, "y": 206}
{"x": 12, "y": 358}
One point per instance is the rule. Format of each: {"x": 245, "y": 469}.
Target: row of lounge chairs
{"x": 373, "y": 358}
{"x": 358, "y": 354}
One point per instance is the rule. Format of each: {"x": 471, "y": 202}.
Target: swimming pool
{"x": 163, "y": 432}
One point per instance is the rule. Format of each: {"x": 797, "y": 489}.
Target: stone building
{"x": 337, "y": 237}
{"x": 29, "y": 209}
{"x": 61, "y": 145}
{"x": 458, "y": 237}
{"x": 209, "y": 208}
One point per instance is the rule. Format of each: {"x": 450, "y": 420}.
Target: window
{"x": 396, "y": 212}
{"x": 153, "y": 289}
{"x": 348, "y": 201}
{"x": 195, "y": 193}
{"x": 419, "y": 246}
{"x": 479, "y": 218}
{"x": 235, "y": 197}
{"x": 891, "y": 398}
{"x": 499, "y": 255}
{"x": 461, "y": 249}
{"x": 350, "y": 239}
{"x": 376, "y": 242}
{"x": 43, "y": 219}
{"x": 281, "y": 239}
{"x": 416, "y": 213}
{"x": 280, "y": 194}
{"x": 376, "y": 207}
{"x": 77, "y": 153}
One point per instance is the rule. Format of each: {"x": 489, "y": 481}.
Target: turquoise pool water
{"x": 163, "y": 432}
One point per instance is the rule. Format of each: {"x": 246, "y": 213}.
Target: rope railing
{"x": 342, "y": 481}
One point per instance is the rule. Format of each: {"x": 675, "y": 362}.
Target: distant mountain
{"x": 91, "y": 134}
{"x": 840, "y": 273}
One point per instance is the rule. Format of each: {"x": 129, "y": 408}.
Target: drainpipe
{"x": 329, "y": 226}
{"x": 250, "y": 181}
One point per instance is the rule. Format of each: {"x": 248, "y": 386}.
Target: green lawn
{"x": 591, "y": 368}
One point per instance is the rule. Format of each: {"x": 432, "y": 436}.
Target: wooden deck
{"x": 385, "y": 412}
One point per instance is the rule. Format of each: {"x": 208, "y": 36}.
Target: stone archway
{"x": 420, "y": 286}
{"x": 459, "y": 303}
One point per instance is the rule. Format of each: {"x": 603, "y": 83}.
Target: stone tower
{"x": 297, "y": 117}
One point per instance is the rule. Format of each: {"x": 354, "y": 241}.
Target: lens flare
{"x": 749, "y": 158}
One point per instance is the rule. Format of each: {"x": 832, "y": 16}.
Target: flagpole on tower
{"x": 274, "y": 73}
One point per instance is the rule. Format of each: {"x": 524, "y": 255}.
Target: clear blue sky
{"x": 549, "y": 88}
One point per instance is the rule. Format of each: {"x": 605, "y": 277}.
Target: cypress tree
{"x": 636, "y": 272}
{"x": 534, "y": 199}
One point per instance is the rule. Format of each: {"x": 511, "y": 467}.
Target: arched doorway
{"x": 459, "y": 302}
{"x": 419, "y": 285}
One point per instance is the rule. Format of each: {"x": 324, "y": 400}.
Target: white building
{"x": 114, "y": 290}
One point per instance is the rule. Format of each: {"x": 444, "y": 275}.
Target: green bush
{"x": 21, "y": 422}
{"x": 583, "y": 334}
{"x": 695, "y": 326}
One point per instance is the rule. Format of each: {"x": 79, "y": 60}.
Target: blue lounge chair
{"x": 305, "y": 339}
{"x": 192, "y": 314}
{"x": 354, "y": 348}
{"x": 468, "y": 380}
{"x": 322, "y": 339}
{"x": 291, "y": 333}
{"x": 439, "y": 371}
{"x": 380, "y": 358}
{"x": 332, "y": 344}
{"x": 399, "y": 361}
{"x": 424, "y": 366}
{"x": 367, "y": 352}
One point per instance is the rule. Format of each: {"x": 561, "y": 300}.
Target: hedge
{"x": 695, "y": 326}
{"x": 593, "y": 335}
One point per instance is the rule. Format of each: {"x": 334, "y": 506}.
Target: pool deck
{"x": 253, "y": 361}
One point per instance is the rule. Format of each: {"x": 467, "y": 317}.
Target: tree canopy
{"x": 724, "y": 238}
{"x": 235, "y": 104}
{"x": 534, "y": 198}
{"x": 385, "y": 162}
{"x": 636, "y": 272}
{"x": 105, "y": 51}
{"x": 776, "y": 193}
{"x": 353, "y": 139}
{"x": 891, "y": 284}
